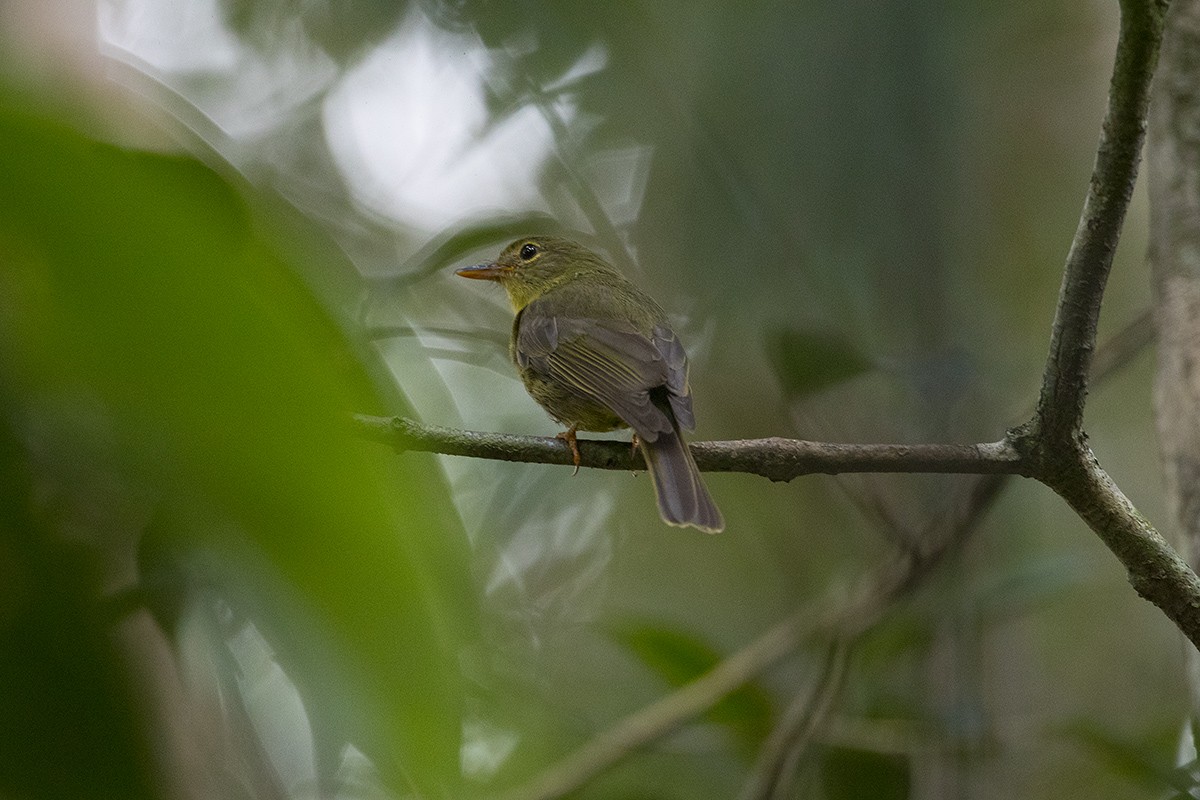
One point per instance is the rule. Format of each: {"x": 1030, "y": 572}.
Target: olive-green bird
{"x": 599, "y": 354}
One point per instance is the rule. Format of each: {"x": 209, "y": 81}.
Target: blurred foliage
{"x": 64, "y": 730}
{"x": 163, "y": 370}
{"x": 851, "y": 774}
{"x": 680, "y": 658}
{"x": 1143, "y": 762}
{"x": 808, "y": 361}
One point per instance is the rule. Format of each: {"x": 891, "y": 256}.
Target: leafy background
{"x": 229, "y": 225}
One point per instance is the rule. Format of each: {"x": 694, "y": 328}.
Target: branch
{"x": 1053, "y": 441}
{"x": 774, "y": 771}
{"x": 775, "y": 458}
{"x": 1059, "y": 415}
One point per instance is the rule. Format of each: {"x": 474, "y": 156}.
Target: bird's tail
{"x": 683, "y": 498}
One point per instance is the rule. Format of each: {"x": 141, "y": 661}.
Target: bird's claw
{"x": 569, "y": 437}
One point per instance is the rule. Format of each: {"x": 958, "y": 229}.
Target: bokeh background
{"x": 226, "y": 226}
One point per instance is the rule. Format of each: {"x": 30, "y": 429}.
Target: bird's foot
{"x": 569, "y": 437}
{"x": 634, "y": 444}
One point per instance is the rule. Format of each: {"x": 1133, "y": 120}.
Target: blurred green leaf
{"x": 134, "y": 286}
{"x": 850, "y": 774}
{"x": 1145, "y": 762}
{"x": 679, "y": 657}
{"x": 65, "y": 727}
{"x": 807, "y": 361}
{"x": 905, "y": 634}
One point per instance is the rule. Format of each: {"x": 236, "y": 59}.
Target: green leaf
{"x": 161, "y": 344}
{"x": 1146, "y": 762}
{"x": 808, "y": 361}
{"x": 850, "y": 774}
{"x": 679, "y": 657}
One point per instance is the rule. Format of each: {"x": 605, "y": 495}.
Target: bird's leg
{"x": 569, "y": 437}
{"x": 635, "y": 444}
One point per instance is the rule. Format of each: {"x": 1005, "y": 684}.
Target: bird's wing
{"x": 679, "y": 391}
{"x": 611, "y": 362}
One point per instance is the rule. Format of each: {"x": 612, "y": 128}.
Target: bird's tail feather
{"x": 683, "y": 498}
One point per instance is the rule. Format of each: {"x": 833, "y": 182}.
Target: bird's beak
{"x": 485, "y": 272}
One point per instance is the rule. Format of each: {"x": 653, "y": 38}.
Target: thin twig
{"x": 775, "y": 768}
{"x": 824, "y": 700}
{"x": 776, "y": 458}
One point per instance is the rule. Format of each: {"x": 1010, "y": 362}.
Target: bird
{"x": 599, "y": 354}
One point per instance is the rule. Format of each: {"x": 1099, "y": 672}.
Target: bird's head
{"x": 531, "y": 266}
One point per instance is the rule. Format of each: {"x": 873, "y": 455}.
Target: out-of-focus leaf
{"x": 905, "y": 634}
{"x": 850, "y": 774}
{"x": 134, "y": 287}
{"x": 680, "y": 657}
{"x": 65, "y": 729}
{"x": 1146, "y": 763}
{"x": 807, "y": 361}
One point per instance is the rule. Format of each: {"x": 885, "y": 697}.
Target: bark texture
{"x": 1173, "y": 172}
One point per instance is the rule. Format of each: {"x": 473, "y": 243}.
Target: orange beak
{"x": 484, "y": 272}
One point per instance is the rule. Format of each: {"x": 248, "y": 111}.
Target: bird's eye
{"x": 528, "y": 252}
